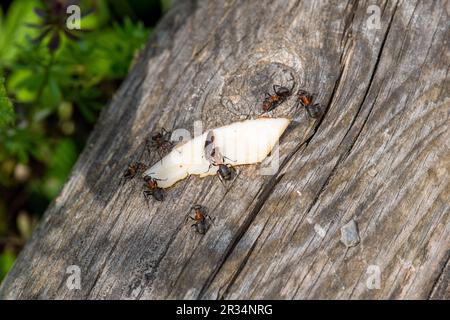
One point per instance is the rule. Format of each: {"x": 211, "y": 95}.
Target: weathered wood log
{"x": 380, "y": 155}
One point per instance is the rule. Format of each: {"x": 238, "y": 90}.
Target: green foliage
{"x": 13, "y": 30}
{"x": 51, "y": 93}
{"x": 6, "y": 261}
{"x": 6, "y": 108}
{"x": 46, "y": 81}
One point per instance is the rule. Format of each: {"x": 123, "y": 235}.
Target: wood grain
{"x": 380, "y": 155}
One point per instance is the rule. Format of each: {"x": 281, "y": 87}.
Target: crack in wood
{"x": 441, "y": 278}
{"x": 242, "y": 229}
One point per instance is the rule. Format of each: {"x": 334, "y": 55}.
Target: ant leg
{"x": 296, "y": 110}
{"x": 147, "y": 194}
{"x": 127, "y": 175}
{"x": 211, "y": 219}
{"x": 196, "y": 227}
{"x": 168, "y": 137}
{"x": 248, "y": 115}
{"x": 291, "y": 90}
{"x": 296, "y": 104}
{"x": 122, "y": 181}
{"x": 148, "y": 147}
{"x": 221, "y": 179}
{"x": 160, "y": 155}
{"x": 235, "y": 173}
{"x": 293, "y": 80}
{"x": 309, "y": 111}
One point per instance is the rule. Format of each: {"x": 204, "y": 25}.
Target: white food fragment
{"x": 245, "y": 142}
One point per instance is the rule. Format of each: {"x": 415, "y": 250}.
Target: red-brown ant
{"x": 271, "y": 101}
{"x": 213, "y": 155}
{"x": 200, "y": 217}
{"x": 306, "y": 100}
{"x": 151, "y": 185}
{"x": 162, "y": 142}
{"x": 133, "y": 169}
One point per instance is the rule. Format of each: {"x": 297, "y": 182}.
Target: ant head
{"x": 150, "y": 181}
{"x": 156, "y": 136}
{"x": 223, "y": 166}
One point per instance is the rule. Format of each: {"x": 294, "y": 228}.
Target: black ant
{"x": 306, "y": 100}
{"x": 271, "y": 101}
{"x": 212, "y": 153}
{"x": 200, "y": 217}
{"x": 162, "y": 142}
{"x": 133, "y": 169}
{"x": 151, "y": 184}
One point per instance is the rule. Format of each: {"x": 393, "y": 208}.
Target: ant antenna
{"x": 292, "y": 79}
{"x": 150, "y": 176}
{"x": 229, "y": 159}
{"x": 210, "y": 165}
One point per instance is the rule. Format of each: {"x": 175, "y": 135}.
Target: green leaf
{"x": 6, "y": 261}
{"x": 51, "y": 95}
{"x": 13, "y": 28}
{"x": 23, "y": 84}
{"x": 6, "y": 107}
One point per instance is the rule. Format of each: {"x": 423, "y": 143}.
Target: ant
{"x": 212, "y": 153}
{"x": 271, "y": 101}
{"x": 151, "y": 185}
{"x": 200, "y": 217}
{"x": 133, "y": 169}
{"x": 306, "y": 100}
{"x": 162, "y": 142}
